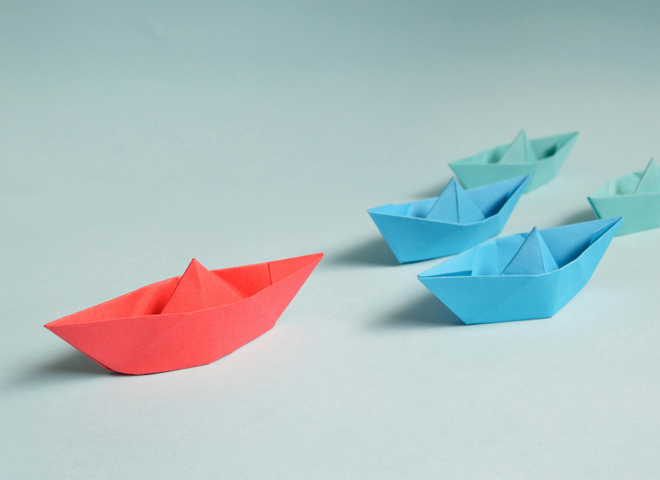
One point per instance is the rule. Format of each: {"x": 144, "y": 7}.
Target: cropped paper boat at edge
{"x": 635, "y": 197}
{"x": 523, "y": 276}
{"x": 541, "y": 158}
{"x": 451, "y": 223}
{"x": 186, "y": 321}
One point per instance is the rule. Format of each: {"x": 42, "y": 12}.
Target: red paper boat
{"x": 186, "y": 321}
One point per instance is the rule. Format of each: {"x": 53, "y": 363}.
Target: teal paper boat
{"x": 635, "y": 197}
{"x": 540, "y": 158}
{"x": 523, "y": 276}
{"x": 451, "y": 223}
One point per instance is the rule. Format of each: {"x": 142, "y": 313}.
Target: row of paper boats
{"x": 517, "y": 277}
{"x": 203, "y": 315}
{"x": 459, "y": 219}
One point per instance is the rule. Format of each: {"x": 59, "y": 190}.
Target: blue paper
{"x": 455, "y": 206}
{"x": 533, "y": 258}
{"x": 451, "y": 223}
{"x": 523, "y": 276}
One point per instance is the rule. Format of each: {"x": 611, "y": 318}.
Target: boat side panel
{"x": 413, "y": 239}
{"x": 496, "y": 299}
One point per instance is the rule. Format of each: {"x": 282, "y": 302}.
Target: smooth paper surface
{"x": 635, "y": 197}
{"x": 540, "y": 158}
{"x": 523, "y": 276}
{"x": 186, "y": 321}
{"x": 451, "y": 223}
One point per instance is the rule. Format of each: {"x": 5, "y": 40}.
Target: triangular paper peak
{"x": 455, "y": 206}
{"x": 533, "y": 257}
{"x": 650, "y": 181}
{"x": 519, "y": 152}
{"x": 199, "y": 289}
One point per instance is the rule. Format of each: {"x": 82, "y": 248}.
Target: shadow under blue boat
{"x": 424, "y": 311}
{"x": 371, "y": 252}
{"x": 584, "y": 215}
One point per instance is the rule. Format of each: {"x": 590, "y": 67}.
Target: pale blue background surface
{"x": 136, "y": 135}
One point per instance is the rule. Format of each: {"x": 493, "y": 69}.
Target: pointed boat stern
{"x": 281, "y": 269}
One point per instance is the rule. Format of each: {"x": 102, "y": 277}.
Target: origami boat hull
{"x": 413, "y": 239}
{"x": 478, "y": 294}
{"x": 482, "y": 168}
{"x": 127, "y": 334}
{"x": 616, "y": 198}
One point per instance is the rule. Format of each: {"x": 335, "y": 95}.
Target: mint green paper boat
{"x": 635, "y": 197}
{"x": 540, "y": 158}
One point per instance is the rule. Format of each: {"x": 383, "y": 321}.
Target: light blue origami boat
{"x": 451, "y": 223}
{"x": 540, "y": 158}
{"x": 523, "y": 276}
{"x": 635, "y": 197}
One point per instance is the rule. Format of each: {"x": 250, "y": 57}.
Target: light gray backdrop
{"x": 137, "y": 135}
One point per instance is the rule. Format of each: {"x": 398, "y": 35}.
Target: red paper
{"x": 186, "y": 321}
{"x": 199, "y": 289}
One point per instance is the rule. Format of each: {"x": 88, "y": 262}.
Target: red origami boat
{"x": 186, "y": 321}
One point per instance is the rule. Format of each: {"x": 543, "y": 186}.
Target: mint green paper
{"x": 635, "y": 197}
{"x": 540, "y": 158}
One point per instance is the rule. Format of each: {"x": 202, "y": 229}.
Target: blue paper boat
{"x": 539, "y": 158}
{"x": 451, "y": 223}
{"x": 523, "y": 276}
